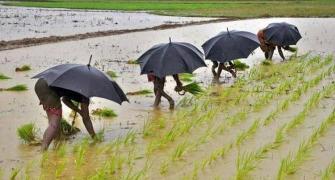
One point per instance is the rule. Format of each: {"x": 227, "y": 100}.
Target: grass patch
{"x": 132, "y": 61}
{"x": 3, "y": 77}
{"x": 186, "y": 77}
{"x": 112, "y": 74}
{"x": 23, "y": 68}
{"x": 240, "y": 66}
{"x": 140, "y": 92}
{"x": 233, "y": 8}
{"x": 20, "y": 87}
{"x": 104, "y": 112}
{"x": 28, "y": 133}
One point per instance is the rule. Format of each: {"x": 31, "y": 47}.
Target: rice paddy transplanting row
{"x": 3, "y": 77}
{"x": 140, "y": 92}
{"x": 104, "y": 112}
{"x": 210, "y": 132}
{"x": 250, "y": 159}
{"x": 23, "y": 68}
{"x": 289, "y": 165}
{"x": 20, "y": 87}
{"x": 256, "y": 124}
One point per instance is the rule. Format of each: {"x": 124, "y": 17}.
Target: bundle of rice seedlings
{"x": 104, "y": 112}
{"x": 67, "y": 129}
{"x": 140, "y": 92}
{"x": 132, "y": 61}
{"x": 3, "y": 77}
{"x": 28, "y": 133}
{"x": 20, "y": 87}
{"x": 193, "y": 88}
{"x": 112, "y": 74}
{"x": 240, "y": 66}
{"x": 186, "y": 77}
{"x": 23, "y": 68}
{"x": 267, "y": 63}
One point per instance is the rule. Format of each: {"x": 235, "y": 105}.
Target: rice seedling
{"x": 99, "y": 136}
{"x": 23, "y": 68}
{"x": 112, "y": 74}
{"x": 132, "y": 61}
{"x": 240, "y": 66}
{"x": 104, "y": 112}
{"x": 28, "y": 133}
{"x": 80, "y": 151}
{"x": 14, "y": 173}
{"x": 180, "y": 151}
{"x": 140, "y": 92}
{"x": 266, "y": 63}
{"x": 60, "y": 168}
{"x": 3, "y": 77}
{"x": 163, "y": 169}
{"x": 129, "y": 138}
{"x": 67, "y": 129}
{"x": 193, "y": 88}
{"x": 249, "y": 132}
{"x": 329, "y": 171}
{"x": 186, "y": 77}
{"x": 20, "y": 87}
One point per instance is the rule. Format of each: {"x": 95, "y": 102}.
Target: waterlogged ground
{"x": 21, "y": 22}
{"x": 197, "y": 152}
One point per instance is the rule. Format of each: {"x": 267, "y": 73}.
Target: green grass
{"x": 242, "y": 9}
{"x": 20, "y": 87}
{"x": 104, "y": 112}
{"x": 27, "y": 133}
{"x": 140, "y": 92}
{"x": 23, "y": 68}
{"x": 240, "y": 66}
{"x": 112, "y": 74}
{"x": 3, "y": 77}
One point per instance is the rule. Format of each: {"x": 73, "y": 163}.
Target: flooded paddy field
{"x": 20, "y": 22}
{"x": 204, "y": 151}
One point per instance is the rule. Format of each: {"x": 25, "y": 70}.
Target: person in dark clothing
{"x": 268, "y": 48}
{"x": 50, "y": 98}
{"x": 222, "y": 66}
{"x": 159, "y": 84}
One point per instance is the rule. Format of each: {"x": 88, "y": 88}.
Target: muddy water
{"x": 21, "y": 22}
{"x": 111, "y": 53}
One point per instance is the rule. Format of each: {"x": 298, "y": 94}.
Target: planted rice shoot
{"x": 23, "y": 68}
{"x": 28, "y": 133}
{"x": 132, "y": 61}
{"x": 67, "y": 129}
{"x": 104, "y": 112}
{"x": 3, "y": 77}
{"x": 14, "y": 173}
{"x": 20, "y": 87}
{"x": 240, "y": 66}
{"x": 112, "y": 74}
{"x": 328, "y": 173}
{"x": 140, "y": 92}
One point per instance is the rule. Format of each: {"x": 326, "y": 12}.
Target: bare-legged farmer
{"x": 222, "y": 66}
{"x": 50, "y": 98}
{"x": 268, "y": 48}
{"x": 159, "y": 84}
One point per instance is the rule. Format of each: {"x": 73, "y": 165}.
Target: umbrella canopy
{"x": 83, "y": 79}
{"x": 282, "y": 34}
{"x": 230, "y": 45}
{"x": 171, "y": 58}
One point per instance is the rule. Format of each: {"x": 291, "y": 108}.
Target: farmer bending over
{"x": 159, "y": 89}
{"x": 268, "y": 48}
{"x": 222, "y": 66}
{"x": 50, "y": 99}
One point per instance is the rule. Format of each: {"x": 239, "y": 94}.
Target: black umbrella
{"x": 83, "y": 79}
{"x": 171, "y": 58}
{"x": 230, "y": 45}
{"x": 282, "y": 34}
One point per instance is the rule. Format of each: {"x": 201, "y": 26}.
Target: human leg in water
{"x": 223, "y": 67}
{"x": 86, "y": 117}
{"x": 281, "y": 52}
{"x": 52, "y": 131}
{"x": 214, "y": 66}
